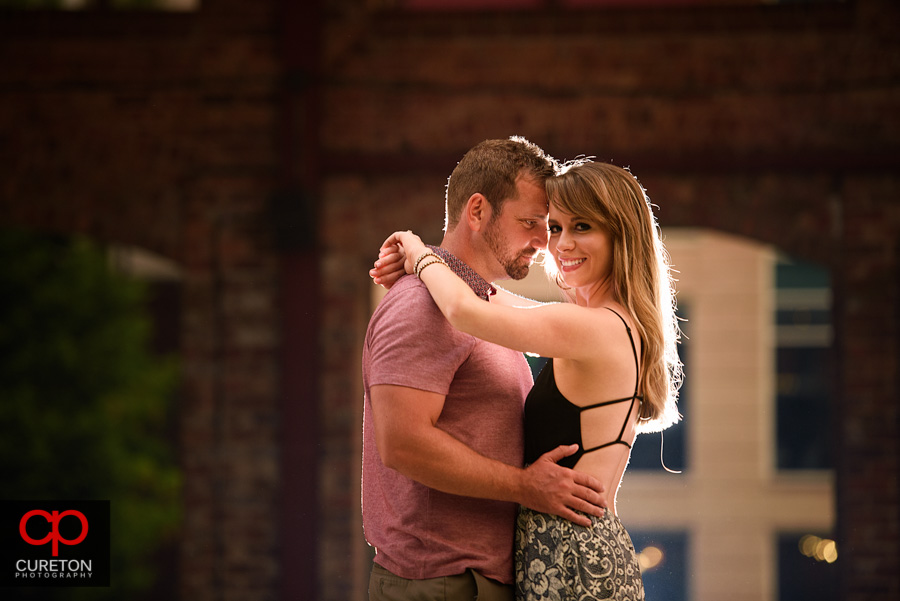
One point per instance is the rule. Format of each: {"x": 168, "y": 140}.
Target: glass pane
{"x": 802, "y": 359}
{"x": 667, "y": 450}
{"x": 806, "y": 567}
{"x": 663, "y": 557}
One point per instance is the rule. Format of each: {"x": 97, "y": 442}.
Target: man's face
{"x": 519, "y": 230}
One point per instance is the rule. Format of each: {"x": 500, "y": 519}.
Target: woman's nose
{"x": 565, "y": 240}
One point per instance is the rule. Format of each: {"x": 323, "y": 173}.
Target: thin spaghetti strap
{"x": 636, "y": 387}
{"x": 637, "y": 373}
{"x": 637, "y": 366}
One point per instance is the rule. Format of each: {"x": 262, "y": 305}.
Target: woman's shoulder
{"x": 617, "y": 316}
{"x": 608, "y": 316}
{"x": 613, "y": 329}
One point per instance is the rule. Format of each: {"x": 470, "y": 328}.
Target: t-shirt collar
{"x": 482, "y": 287}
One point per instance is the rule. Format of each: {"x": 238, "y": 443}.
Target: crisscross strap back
{"x": 552, "y": 420}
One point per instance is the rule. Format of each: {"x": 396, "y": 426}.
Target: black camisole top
{"x": 552, "y": 420}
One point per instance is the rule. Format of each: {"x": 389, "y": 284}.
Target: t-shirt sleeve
{"x": 411, "y": 344}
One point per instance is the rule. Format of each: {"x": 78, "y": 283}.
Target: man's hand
{"x": 551, "y": 488}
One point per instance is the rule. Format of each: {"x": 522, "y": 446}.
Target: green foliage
{"x": 83, "y": 404}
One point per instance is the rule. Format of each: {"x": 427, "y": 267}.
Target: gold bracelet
{"x": 427, "y": 253}
{"x": 422, "y": 267}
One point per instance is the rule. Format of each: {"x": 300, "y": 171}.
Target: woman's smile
{"x": 568, "y": 265}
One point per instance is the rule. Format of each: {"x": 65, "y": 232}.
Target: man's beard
{"x": 515, "y": 269}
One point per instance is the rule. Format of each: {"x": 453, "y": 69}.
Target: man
{"x": 442, "y": 431}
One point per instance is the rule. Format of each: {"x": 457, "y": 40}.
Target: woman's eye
{"x": 582, "y": 227}
{"x": 554, "y": 229}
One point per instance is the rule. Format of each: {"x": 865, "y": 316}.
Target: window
{"x": 806, "y": 567}
{"x": 663, "y": 557}
{"x": 656, "y": 452}
{"x": 802, "y": 358}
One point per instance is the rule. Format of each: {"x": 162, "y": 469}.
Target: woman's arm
{"x": 551, "y": 330}
{"x": 390, "y": 267}
{"x": 511, "y": 299}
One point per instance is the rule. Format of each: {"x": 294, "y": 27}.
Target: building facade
{"x": 267, "y": 148}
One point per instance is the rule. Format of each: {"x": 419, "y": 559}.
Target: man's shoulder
{"x": 408, "y": 289}
{"x": 407, "y": 301}
{"x": 407, "y": 282}
{"x": 408, "y": 316}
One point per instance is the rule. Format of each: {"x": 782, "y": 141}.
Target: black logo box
{"x": 23, "y": 564}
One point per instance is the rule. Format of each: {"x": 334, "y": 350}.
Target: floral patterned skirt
{"x": 561, "y": 561}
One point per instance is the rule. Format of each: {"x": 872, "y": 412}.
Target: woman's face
{"x": 582, "y": 249}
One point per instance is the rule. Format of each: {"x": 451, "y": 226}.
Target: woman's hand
{"x": 389, "y": 266}
{"x": 396, "y": 258}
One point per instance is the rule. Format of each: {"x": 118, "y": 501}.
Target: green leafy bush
{"x": 83, "y": 403}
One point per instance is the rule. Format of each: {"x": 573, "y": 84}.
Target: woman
{"x": 613, "y": 371}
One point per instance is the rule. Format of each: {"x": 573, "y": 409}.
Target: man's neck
{"x": 466, "y": 252}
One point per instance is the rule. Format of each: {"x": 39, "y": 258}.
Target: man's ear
{"x": 477, "y": 212}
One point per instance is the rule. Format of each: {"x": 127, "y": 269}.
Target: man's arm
{"x": 409, "y": 441}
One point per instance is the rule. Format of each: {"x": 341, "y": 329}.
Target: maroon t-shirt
{"x": 419, "y": 532}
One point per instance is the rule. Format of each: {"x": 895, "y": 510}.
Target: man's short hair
{"x": 492, "y": 168}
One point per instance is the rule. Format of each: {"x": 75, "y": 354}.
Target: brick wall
{"x": 171, "y": 131}
{"x": 158, "y": 130}
{"x": 776, "y": 123}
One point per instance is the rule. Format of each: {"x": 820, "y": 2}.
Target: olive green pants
{"x": 468, "y": 586}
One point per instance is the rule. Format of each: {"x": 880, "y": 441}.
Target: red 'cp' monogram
{"x": 53, "y": 519}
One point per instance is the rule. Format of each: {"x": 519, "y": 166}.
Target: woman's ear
{"x": 477, "y": 212}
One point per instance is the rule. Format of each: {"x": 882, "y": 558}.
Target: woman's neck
{"x": 598, "y": 294}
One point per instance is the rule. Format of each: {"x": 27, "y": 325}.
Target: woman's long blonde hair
{"x": 643, "y": 284}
